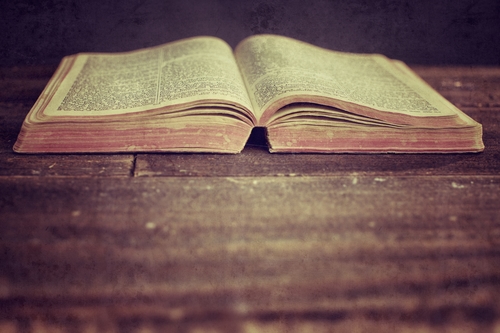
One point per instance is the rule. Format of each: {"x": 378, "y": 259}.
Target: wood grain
{"x": 466, "y": 87}
{"x": 328, "y": 248}
{"x": 254, "y": 242}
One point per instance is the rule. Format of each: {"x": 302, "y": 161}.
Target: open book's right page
{"x": 279, "y": 70}
{"x": 295, "y": 84}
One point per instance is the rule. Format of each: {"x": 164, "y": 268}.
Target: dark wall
{"x": 418, "y": 32}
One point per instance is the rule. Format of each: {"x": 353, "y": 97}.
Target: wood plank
{"x": 23, "y": 83}
{"x": 72, "y": 165}
{"x": 19, "y": 89}
{"x": 11, "y": 117}
{"x": 466, "y": 86}
{"x": 251, "y": 252}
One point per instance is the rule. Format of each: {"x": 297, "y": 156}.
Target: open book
{"x": 197, "y": 95}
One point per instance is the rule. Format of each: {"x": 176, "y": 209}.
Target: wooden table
{"x": 255, "y": 242}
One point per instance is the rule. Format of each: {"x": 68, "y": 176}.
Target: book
{"x": 200, "y": 95}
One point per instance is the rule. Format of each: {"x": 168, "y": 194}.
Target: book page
{"x": 279, "y": 70}
{"x": 189, "y": 72}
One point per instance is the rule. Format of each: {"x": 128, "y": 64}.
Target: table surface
{"x": 255, "y": 242}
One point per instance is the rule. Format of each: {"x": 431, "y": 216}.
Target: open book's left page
{"x": 172, "y": 90}
{"x": 189, "y": 72}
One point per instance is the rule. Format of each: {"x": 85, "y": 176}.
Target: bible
{"x": 200, "y": 95}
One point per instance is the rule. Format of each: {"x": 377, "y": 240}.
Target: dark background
{"x": 418, "y": 32}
